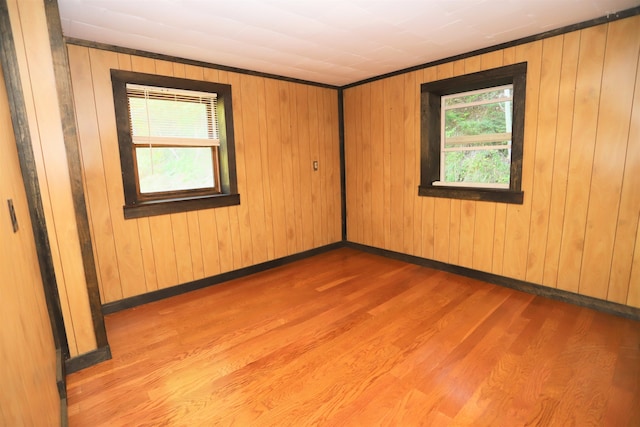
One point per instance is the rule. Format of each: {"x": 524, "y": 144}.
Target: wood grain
{"x": 562, "y": 147}
{"x": 577, "y": 227}
{"x": 35, "y": 63}
{"x": 611, "y": 148}
{"x": 28, "y": 395}
{"x": 286, "y": 207}
{"x": 349, "y": 338}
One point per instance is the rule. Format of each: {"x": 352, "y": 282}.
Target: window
{"x": 472, "y": 130}
{"x": 176, "y": 143}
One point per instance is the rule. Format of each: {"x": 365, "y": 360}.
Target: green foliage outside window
{"x": 482, "y": 165}
{"x": 174, "y": 168}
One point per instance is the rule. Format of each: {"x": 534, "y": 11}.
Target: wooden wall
{"x": 28, "y": 396}
{"x": 286, "y": 207}
{"x": 31, "y": 37}
{"x": 578, "y": 229}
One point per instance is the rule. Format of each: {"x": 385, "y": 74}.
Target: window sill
{"x": 168, "y": 206}
{"x": 478, "y": 194}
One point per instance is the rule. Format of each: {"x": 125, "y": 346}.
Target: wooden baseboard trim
{"x": 137, "y": 300}
{"x": 61, "y": 382}
{"x": 88, "y": 359}
{"x": 64, "y": 414}
{"x": 61, "y": 375}
{"x": 520, "y": 285}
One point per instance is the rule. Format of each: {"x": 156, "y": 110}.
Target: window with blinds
{"x": 175, "y": 138}
{"x": 176, "y": 143}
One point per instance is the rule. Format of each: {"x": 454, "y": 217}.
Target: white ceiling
{"x": 336, "y": 42}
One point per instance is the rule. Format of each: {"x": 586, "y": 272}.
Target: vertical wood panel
{"x": 364, "y": 155}
{"x": 211, "y": 250}
{"x": 95, "y": 181}
{"x": 320, "y": 174}
{"x": 543, "y": 167}
{"x": 386, "y": 163}
{"x": 618, "y": 76}
{"x": 499, "y": 238}
{"x": 396, "y": 105}
{"x": 629, "y": 214}
{"x": 295, "y": 161}
{"x": 242, "y": 225}
{"x": 455, "y": 208}
{"x": 377, "y": 163}
{"x": 304, "y": 167}
{"x": 265, "y": 170}
{"x": 563, "y": 142}
{"x": 181, "y": 244}
{"x": 288, "y": 139}
{"x": 518, "y": 216}
{"x": 585, "y": 117}
{"x": 164, "y": 249}
{"x": 223, "y": 244}
{"x": 408, "y": 177}
{"x": 467, "y": 232}
{"x": 274, "y": 153}
{"x": 148, "y": 258}
{"x": 316, "y": 211}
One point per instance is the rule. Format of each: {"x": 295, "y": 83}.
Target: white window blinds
{"x": 172, "y": 117}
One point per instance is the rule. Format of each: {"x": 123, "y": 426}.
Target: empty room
{"x": 322, "y": 213}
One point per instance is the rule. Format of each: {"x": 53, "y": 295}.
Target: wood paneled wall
{"x": 33, "y": 48}
{"x": 28, "y": 396}
{"x": 286, "y": 207}
{"x": 578, "y": 229}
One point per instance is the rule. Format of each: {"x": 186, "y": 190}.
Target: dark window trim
{"x": 430, "y": 96}
{"x": 139, "y": 206}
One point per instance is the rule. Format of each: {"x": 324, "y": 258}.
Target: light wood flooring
{"x": 348, "y": 338}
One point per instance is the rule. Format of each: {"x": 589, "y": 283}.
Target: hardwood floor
{"x": 349, "y": 338}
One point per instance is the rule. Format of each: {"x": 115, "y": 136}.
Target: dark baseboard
{"x": 61, "y": 382}
{"x": 520, "y": 285}
{"x": 88, "y": 359}
{"x": 160, "y": 294}
{"x": 61, "y": 375}
{"x": 64, "y": 415}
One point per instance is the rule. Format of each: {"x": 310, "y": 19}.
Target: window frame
{"x": 431, "y": 94}
{"x": 139, "y": 205}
